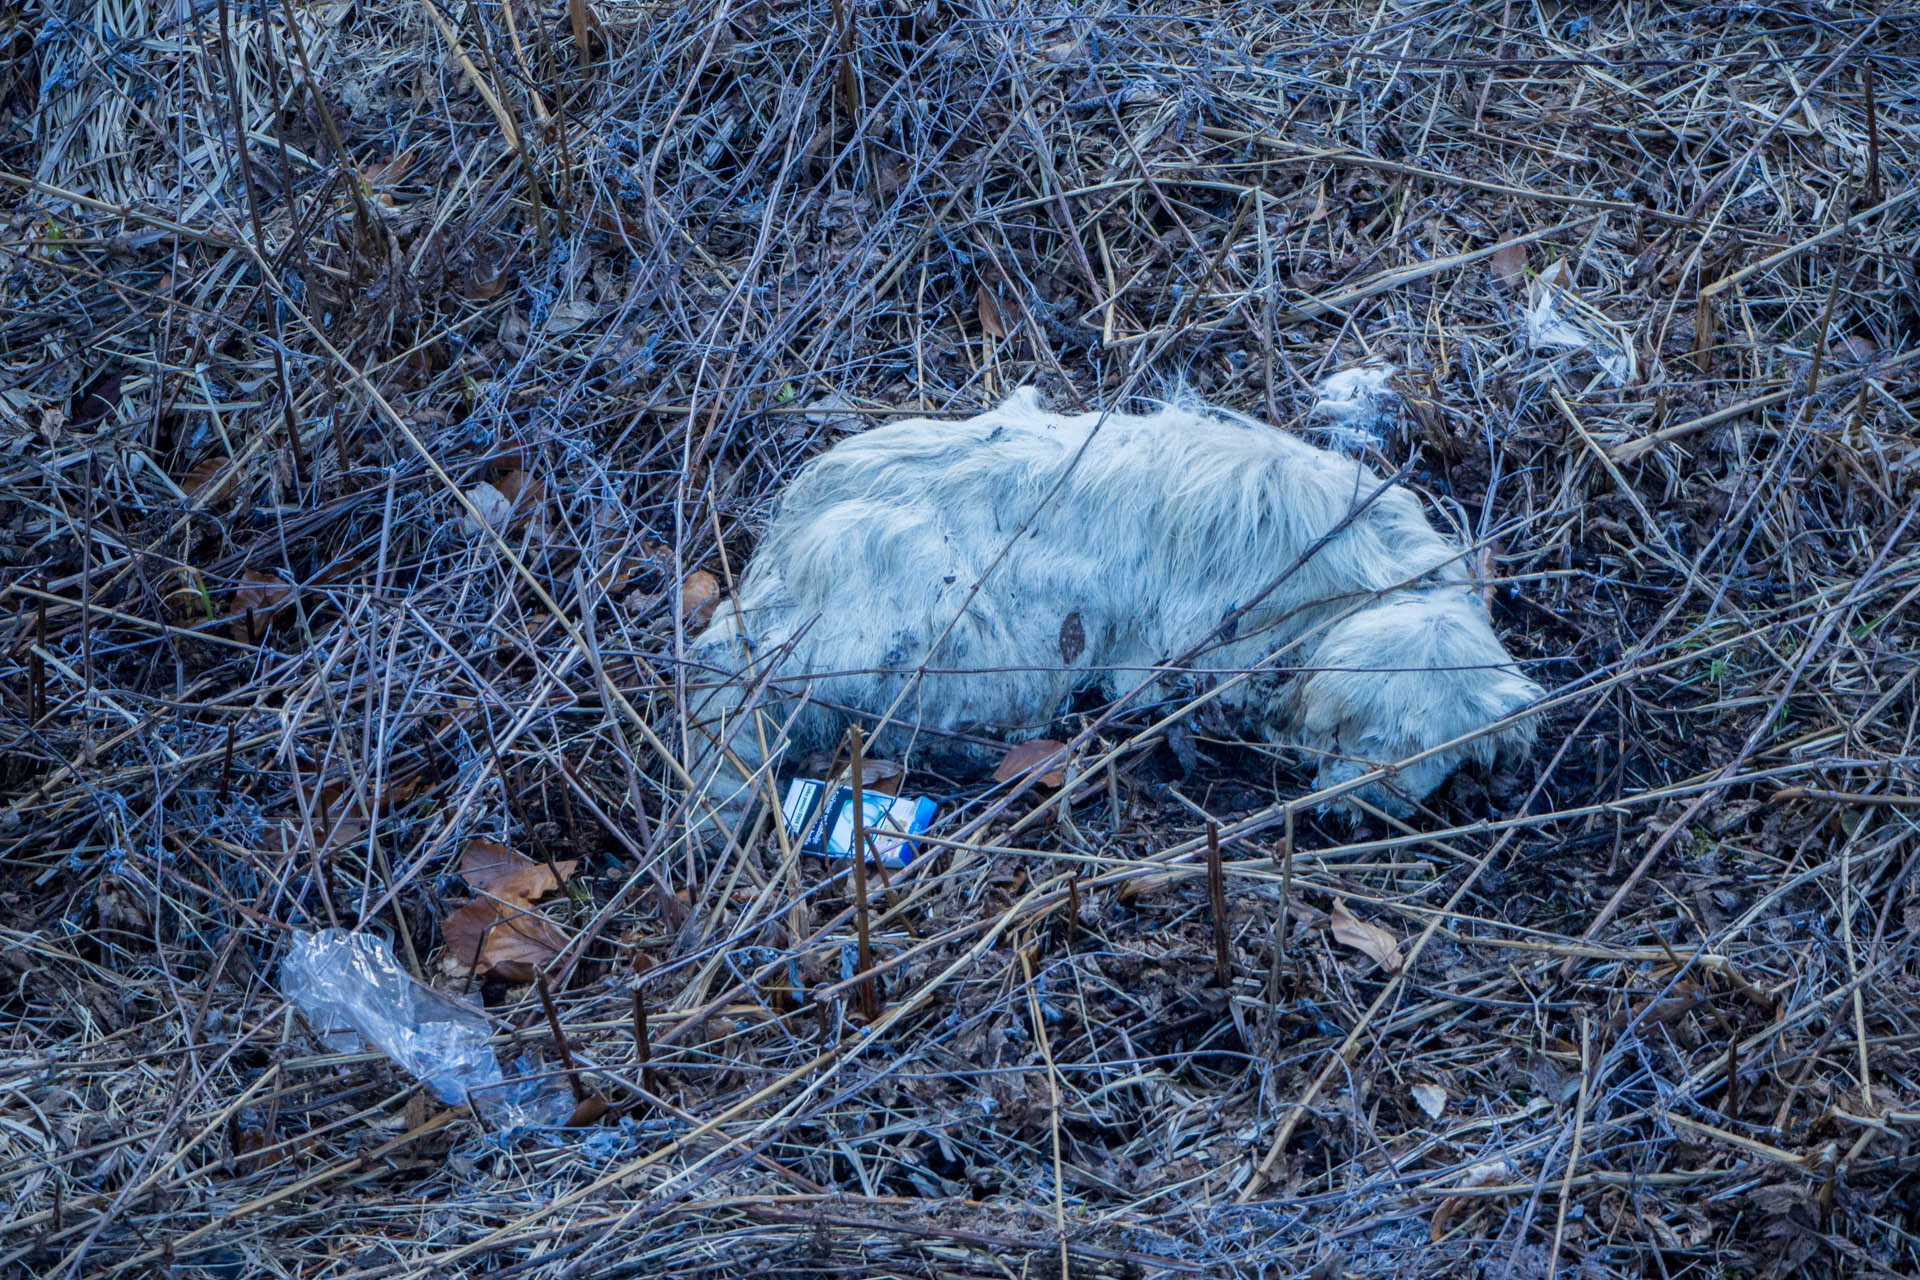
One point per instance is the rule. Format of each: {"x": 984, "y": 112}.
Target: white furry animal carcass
{"x": 973, "y": 576}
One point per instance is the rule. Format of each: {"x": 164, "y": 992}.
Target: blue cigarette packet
{"x": 823, "y": 822}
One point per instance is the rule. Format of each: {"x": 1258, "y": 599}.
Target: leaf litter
{"x": 631, "y": 275}
{"x": 500, "y": 933}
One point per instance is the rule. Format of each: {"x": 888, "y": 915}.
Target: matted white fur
{"x": 1356, "y": 406}
{"x": 891, "y": 565}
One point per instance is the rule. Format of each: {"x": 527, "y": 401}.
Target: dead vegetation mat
{"x": 389, "y": 387}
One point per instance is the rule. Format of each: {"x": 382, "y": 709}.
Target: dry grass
{"x": 272, "y": 302}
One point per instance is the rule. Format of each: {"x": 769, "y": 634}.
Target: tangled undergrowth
{"x": 388, "y": 388}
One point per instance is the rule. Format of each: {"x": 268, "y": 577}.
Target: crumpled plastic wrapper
{"x": 1557, "y": 318}
{"x": 353, "y": 993}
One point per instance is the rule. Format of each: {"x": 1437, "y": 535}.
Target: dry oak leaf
{"x": 991, "y": 322}
{"x": 258, "y": 599}
{"x": 210, "y": 479}
{"x": 344, "y": 818}
{"x": 488, "y": 274}
{"x": 881, "y": 776}
{"x": 1509, "y": 262}
{"x": 1490, "y": 1174}
{"x": 875, "y": 775}
{"x": 699, "y": 596}
{"x": 491, "y": 868}
{"x": 522, "y": 490}
{"x": 391, "y": 172}
{"x": 499, "y": 940}
{"x": 267, "y": 599}
{"x": 1369, "y": 939}
{"x": 1025, "y": 757}
{"x": 589, "y": 1110}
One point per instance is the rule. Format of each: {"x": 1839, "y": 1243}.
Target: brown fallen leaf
{"x": 588, "y": 1110}
{"x": 882, "y": 777}
{"x": 1369, "y": 939}
{"x": 493, "y": 939}
{"x": 343, "y": 799}
{"x": 269, "y": 600}
{"x": 699, "y": 596}
{"x": 246, "y": 1135}
{"x": 1855, "y": 346}
{"x": 521, "y": 489}
{"x": 1490, "y": 1174}
{"x": 990, "y": 320}
{"x": 460, "y": 712}
{"x": 488, "y": 275}
{"x": 119, "y": 905}
{"x": 1022, "y": 759}
{"x": 1319, "y": 206}
{"x": 1509, "y": 262}
{"x": 210, "y": 479}
{"x": 101, "y": 399}
{"x": 391, "y": 172}
{"x": 342, "y": 819}
{"x": 256, "y": 603}
{"x": 493, "y": 869}
{"x": 423, "y": 361}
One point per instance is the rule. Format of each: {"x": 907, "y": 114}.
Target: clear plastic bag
{"x": 351, "y": 990}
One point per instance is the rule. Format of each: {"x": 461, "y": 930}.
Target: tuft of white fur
{"x": 970, "y": 577}
{"x": 1356, "y": 406}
